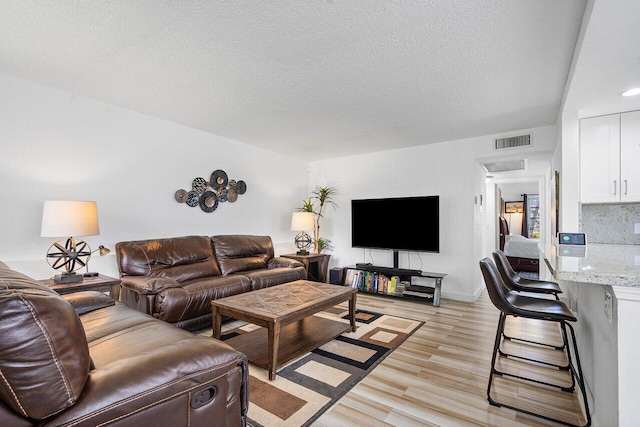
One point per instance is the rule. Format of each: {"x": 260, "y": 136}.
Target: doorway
{"x": 501, "y": 189}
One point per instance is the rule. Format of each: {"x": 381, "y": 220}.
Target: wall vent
{"x": 508, "y": 165}
{"x": 512, "y": 142}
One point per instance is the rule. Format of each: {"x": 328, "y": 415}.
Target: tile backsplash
{"x": 611, "y": 223}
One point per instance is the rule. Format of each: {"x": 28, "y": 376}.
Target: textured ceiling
{"x": 314, "y": 79}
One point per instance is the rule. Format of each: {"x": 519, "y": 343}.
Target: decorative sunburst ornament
{"x": 303, "y": 242}
{"x": 69, "y": 256}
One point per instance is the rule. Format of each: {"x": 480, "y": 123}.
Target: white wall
{"x": 55, "y": 145}
{"x": 450, "y": 170}
{"x": 570, "y": 175}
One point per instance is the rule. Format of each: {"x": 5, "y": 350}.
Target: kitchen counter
{"x": 604, "y": 264}
{"x": 603, "y": 290}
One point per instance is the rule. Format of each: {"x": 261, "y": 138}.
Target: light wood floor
{"x": 438, "y": 377}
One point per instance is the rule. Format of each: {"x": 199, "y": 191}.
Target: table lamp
{"x": 101, "y": 251}
{"x": 301, "y": 222}
{"x": 71, "y": 218}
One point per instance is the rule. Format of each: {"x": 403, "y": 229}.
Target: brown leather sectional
{"x": 175, "y": 279}
{"x": 86, "y": 360}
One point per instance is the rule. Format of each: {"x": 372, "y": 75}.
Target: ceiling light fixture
{"x": 632, "y": 92}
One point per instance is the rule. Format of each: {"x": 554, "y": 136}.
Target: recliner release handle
{"x": 203, "y": 397}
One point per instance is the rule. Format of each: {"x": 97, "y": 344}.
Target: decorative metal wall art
{"x": 209, "y": 194}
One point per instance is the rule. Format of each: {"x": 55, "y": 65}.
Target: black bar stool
{"x": 511, "y": 304}
{"x": 516, "y": 283}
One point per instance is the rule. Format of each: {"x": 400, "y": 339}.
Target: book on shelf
{"x": 382, "y": 283}
{"x": 374, "y": 282}
{"x": 350, "y": 276}
{"x": 393, "y": 285}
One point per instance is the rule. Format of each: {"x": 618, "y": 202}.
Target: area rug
{"x": 308, "y": 386}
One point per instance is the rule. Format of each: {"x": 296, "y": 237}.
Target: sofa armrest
{"x": 282, "y": 262}
{"x": 140, "y": 292}
{"x": 87, "y": 301}
{"x": 148, "y": 285}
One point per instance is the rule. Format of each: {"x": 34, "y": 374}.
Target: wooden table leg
{"x": 352, "y": 312}
{"x": 273, "y": 344}
{"x": 216, "y": 319}
{"x": 115, "y": 292}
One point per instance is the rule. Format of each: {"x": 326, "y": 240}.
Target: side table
{"x": 315, "y": 264}
{"x": 99, "y": 283}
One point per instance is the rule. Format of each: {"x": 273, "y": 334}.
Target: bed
{"x": 523, "y": 254}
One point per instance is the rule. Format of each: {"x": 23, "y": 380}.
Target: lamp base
{"x": 91, "y": 274}
{"x": 67, "y": 278}
{"x": 302, "y": 252}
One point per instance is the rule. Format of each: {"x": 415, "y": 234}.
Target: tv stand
{"x": 388, "y": 270}
{"x": 406, "y": 275}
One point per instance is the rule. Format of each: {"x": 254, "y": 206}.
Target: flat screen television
{"x": 402, "y": 223}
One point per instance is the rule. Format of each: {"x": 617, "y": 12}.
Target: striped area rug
{"x": 310, "y": 385}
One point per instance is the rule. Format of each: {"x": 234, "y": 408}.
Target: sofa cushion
{"x": 45, "y": 357}
{"x": 178, "y": 258}
{"x": 193, "y": 299}
{"x": 238, "y": 253}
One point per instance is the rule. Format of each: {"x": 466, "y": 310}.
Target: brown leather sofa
{"x": 86, "y": 360}
{"x": 175, "y": 279}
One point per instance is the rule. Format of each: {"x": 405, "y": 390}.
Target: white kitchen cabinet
{"x": 609, "y": 158}
{"x": 600, "y": 159}
{"x": 630, "y": 156}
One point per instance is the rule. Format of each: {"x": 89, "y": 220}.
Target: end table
{"x": 99, "y": 283}
{"x": 315, "y": 264}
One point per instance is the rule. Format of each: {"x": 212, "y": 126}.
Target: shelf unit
{"x": 315, "y": 264}
{"x": 366, "y": 282}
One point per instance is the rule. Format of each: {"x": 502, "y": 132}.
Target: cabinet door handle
{"x": 615, "y": 187}
{"x": 625, "y": 187}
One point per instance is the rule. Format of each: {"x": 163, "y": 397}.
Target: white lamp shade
{"x": 66, "y": 218}
{"x": 302, "y": 221}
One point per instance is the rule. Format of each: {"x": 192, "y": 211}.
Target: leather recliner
{"x": 84, "y": 360}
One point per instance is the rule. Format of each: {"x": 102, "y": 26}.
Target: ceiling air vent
{"x": 508, "y": 165}
{"x": 512, "y": 142}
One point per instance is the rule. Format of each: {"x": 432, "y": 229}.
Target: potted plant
{"x": 321, "y": 197}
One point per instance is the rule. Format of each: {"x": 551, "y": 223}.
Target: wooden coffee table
{"x": 286, "y": 314}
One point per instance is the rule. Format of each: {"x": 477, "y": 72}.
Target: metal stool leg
{"x": 578, "y": 374}
{"x": 496, "y": 346}
{"x": 553, "y": 365}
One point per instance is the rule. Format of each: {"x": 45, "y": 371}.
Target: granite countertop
{"x": 605, "y": 264}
